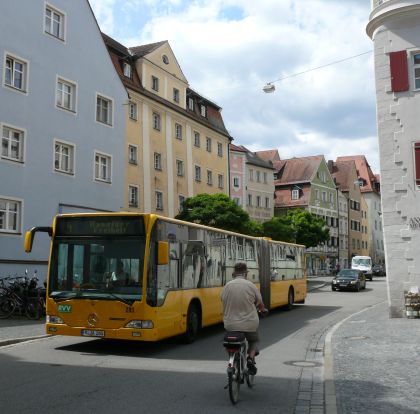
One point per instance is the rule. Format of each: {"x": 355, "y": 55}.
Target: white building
{"x": 394, "y": 26}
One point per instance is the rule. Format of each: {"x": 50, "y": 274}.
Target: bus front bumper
{"x": 104, "y": 333}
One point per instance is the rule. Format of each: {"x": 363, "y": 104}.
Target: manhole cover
{"x": 303, "y": 364}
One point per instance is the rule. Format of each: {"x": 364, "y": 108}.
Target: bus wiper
{"x": 113, "y": 295}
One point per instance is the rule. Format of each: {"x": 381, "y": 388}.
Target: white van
{"x": 363, "y": 263}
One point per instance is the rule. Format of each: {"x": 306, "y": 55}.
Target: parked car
{"x": 378, "y": 270}
{"x": 349, "y": 279}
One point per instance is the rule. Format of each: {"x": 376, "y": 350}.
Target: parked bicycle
{"x": 237, "y": 371}
{"x": 20, "y": 295}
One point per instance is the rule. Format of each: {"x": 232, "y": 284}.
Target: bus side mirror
{"x": 29, "y": 239}
{"x": 163, "y": 253}
{"x": 30, "y": 235}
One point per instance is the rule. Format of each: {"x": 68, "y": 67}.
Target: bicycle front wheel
{"x": 33, "y": 309}
{"x": 234, "y": 379}
{"x": 7, "y": 307}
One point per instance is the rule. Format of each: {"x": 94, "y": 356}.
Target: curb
{"x": 6, "y": 342}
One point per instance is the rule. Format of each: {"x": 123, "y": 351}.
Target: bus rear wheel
{"x": 193, "y": 324}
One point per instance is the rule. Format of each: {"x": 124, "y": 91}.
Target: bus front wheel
{"x": 193, "y": 324}
{"x": 290, "y": 299}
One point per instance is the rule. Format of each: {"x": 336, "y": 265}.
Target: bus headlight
{"x": 140, "y": 324}
{"x": 54, "y": 319}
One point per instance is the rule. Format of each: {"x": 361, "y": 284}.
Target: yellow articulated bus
{"x": 145, "y": 277}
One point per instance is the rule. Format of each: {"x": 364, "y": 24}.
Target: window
{"x": 127, "y": 70}
{"x": 399, "y": 71}
{"x": 103, "y": 110}
{"x": 158, "y": 161}
{"x": 16, "y": 73}
{"x": 208, "y": 144}
{"x": 179, "y": 168}
{"x": 12, "y": 141}
{"x": 417, "y": 162}
{"x": 251, "y": 175}
{"x": 267, "y": 202}
{"x": 102, "y": 167}
{"x": 132, "y": 110}
{"x": 132, "y": 154}
{"x": 191, "y": 104}
{"x": 258, "y": 201}
{"x": 178, "y": 131}
{"x": 331, "y": 198}
{"x": 316, "y": 194}
{"x": 220, "y": 181}
{"x": 295, "y": 194}
{"x": 249, "y": 199}
{"x": 54, "y": 22}
{"x": 176, "y": 95}
{"x": 220, "y": 149}
{"x": 159, "y": 200}
{"x": 258, "y": 176}
{"x": 196, "y": 139}
{"x": 10, "y": 215}
{"x": 197, "y": 173}
{"x": 209, "y": 177}
{"x": 265, "y": 178}
{"x": 63, "y": 157}
{"x": 66, "y": 95}
{"x": 133, "y": 196}
{"x": 155, "y": 83}
{"x": 237, "y": 201}
{"x": 203, "y": 110}
{"x": 324, "y": 196}
{"x": 181, "y": 200}
{"x": 156, "y": 121}
{"x": 236, "y": 182}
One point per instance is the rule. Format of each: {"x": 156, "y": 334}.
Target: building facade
{"x": 61, "y": 120}
{"x": 176, "y": 143}
{"x": 307, "y": 183}
{"x": 394, "y": 27}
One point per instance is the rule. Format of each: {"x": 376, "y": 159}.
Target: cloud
{"x": 228, "y": 49}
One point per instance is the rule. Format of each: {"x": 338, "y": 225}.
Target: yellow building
{"x": 177, "y": 144}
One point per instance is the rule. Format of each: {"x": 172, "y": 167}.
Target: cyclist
{"x": 241, "y": 299}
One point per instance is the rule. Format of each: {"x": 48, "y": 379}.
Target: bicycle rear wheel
{"x": 7, "y": 307}
{"x": 234, "y": 379}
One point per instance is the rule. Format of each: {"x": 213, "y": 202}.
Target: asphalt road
{"x": 67, "y": 375}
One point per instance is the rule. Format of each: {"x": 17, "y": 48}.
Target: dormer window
{"x": 191, "y": 104}
{"x": 155, "y": 83}
{"x": 295, "y": 194}
{"x": 127, "y": 70}
{"x": 203, "y": 110}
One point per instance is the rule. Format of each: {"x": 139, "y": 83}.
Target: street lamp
{"x": 269, "y": 88}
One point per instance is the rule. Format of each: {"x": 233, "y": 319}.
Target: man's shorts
{"x": 253, "y": 341}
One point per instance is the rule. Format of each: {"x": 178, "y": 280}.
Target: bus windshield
{"x": 109, "y": 268}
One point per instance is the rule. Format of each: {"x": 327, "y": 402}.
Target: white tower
{"x": 394, "y": 27}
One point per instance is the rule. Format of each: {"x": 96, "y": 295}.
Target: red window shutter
{"x": 417, "y": 161}
{"x": 399, "y": 71}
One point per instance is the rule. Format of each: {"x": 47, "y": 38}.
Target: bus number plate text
{"x": 93, "y": 332}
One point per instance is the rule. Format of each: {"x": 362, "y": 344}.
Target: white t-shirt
{"x": 239, "y": 298}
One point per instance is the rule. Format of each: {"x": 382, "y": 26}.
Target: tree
{"x": 298, "y": 226}
{"x": 218, "y": 210}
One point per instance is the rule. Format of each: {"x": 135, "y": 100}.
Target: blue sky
{"x": 228, "y": 50}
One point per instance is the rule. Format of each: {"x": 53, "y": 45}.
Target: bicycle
{"x": 15, "y": 297}
{"x": 237, "y": 371}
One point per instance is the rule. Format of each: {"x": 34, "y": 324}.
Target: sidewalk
{"x": 20, "y": 329}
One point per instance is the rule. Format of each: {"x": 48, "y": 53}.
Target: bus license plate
{"x": 93, "y": 332}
